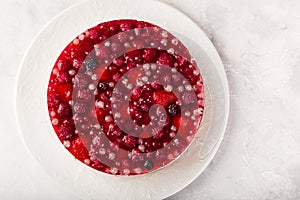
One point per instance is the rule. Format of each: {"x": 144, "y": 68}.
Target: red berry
{"x": 63, "y": 77}
{"x": 64, "y": 92}
{"x": 165, "y": 59}
{"x": 94, "y": 33}
{"x": 66, "y": 131}
{"x": 163, "y": 97}
{"x": 149, "y": 55}
{"x": 64, "y": 65}
{"x": 64, "y": 110}
{"x": 53, "y": 100}
{"x": 130, "y": 141}
{"x": 126, "y": 26}
{"x": 78, "y": 149}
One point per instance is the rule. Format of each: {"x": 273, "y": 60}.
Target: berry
{"x": 173, "y": 109}
{"x": 149, "y": 55}
{"x": 63, "y": 77}
{"x": 66, "y": 131}
{"x": 130, "y": 141}
{"x": 78, "y": 149}
{"x": 64, "y": 110}
{"x": 102, "y": 86}
{"x": 90, "y": 63}
{"x": 77, "y": 63}
{"x": 64, "y": 65}
{"x": 64, "y": 92}
{"x": 53, "y": 100}
{"x": 126, "y": 26}
{"x": 113, "y": 28}
{"x": 163, "y": 97}
{"x": 94, "y": 34}
{"x": 165, "y": 59}
{"x": 149, "y": 164}
{"x": 119, "y": 61}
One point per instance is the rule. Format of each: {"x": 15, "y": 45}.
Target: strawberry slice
{"x": 163, "y": 97}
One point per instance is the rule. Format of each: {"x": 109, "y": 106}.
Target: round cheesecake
{"x": 125, "y": 97}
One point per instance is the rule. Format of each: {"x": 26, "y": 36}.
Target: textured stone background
{"x": 259, "y": 42}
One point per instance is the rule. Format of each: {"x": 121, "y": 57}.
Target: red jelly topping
{"x": 125, "y": 97}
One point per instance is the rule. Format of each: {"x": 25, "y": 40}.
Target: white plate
{"x": 39, "y": 136}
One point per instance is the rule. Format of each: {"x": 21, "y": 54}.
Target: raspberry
{"x": 78, "y": 149}
{"x": 94, "y": 34}
{"x": 149, "y": 55}
{"x": 126, "y": 26}
{"x": 66, "y": 131}
{"x": 64, "y": 65}
{"x": 163, "y": 97}
{"x": 129, "y": 141}
{"x": 165, "y": 59}
{"x": 119, "y": 61}
{"x": 64, "y": 110}
{"x": 63, "y": 77}
{"x": 53, "y": 100}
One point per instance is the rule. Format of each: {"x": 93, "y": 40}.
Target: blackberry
{"x": 149, "y": 164}
{"x": 90, "y": 63}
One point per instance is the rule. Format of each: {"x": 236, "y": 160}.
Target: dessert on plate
{"x": 125, "y": 97}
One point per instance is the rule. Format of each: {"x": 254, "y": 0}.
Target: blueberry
{"x": 149, "y": 164}
{"x": 90, "y": 63}
{"x": 173, "y": 109}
